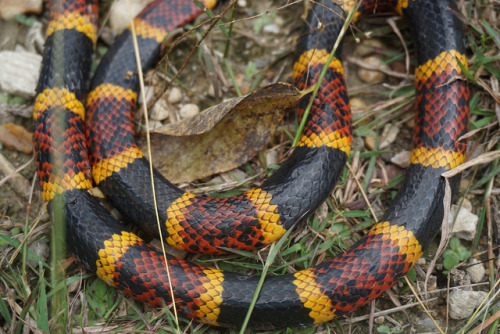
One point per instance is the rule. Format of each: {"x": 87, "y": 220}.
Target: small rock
{"x": 465, "y": 224}
{"x": 401, "y": 159}
{"x": 467, "y": 204}
{"x": 410, "y": 123}
{"x": 6, "y": 224}
{"x": 242, "y": 3}
{"x": 160, "y": 111}
{"x": 370, "y": 142}
{"x": 149, "y": 93}
{"x": 389, "y": 135}
{"x": 459, "y": 277}
{"x": 372, "y": 76}
{"x": 357, "y": 105}
{"x": 271, "y": 29}
{"x": 41, "y": 249}
{"x": 476, "y": 271}
{"x": 464, "y": 184}
{"x": 272, "y": 157}
{"x": 421, "y": 262}
{"x": 367, "y": 47}
{"x": 463, "y": 303}
{"x": 234, "y": 175}
{"x": 35, "y": 37}
{"x": 121, "y": 13}
{"x": 19, "y": 72}
{"x": 10, "y": 8}
{"x": 153, "y": 125}
{"x": 379, "y": 320}
{"x": 174, "y": 95}
{"x": 426, "y": 324}
{"x": 432, "y": 283}
{"x": 189, "y": 110}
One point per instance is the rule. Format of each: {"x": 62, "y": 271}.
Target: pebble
{"x": 464, "y": 184}
{"x": 465, "y": 223}
{"x": 426, "y": 324}
{"x": 401, "y": 159}
{"x": 35, "y": 37}
{"x": 463, "y": 303}
{"x": 476, "y": 271}
{"x": 149, "y": 93}
{"x": 234, "y": 175}
{"x": 19, "y": 71}
{"x": 272, "y": 157}
{"x": 372, "y": 76}
{"x": 155, "y": 125}
{"x": 9, "y": 9}
{"x": 370, "y": 142}
{"x": 121, "y": 13}
{"x": 459, "y": 277}
{"x": 467, "y": 204}
{"x": 271, "y": 29}
{"x": 432, "y": 283}
{"x": 159, "y": 112}
{"x": 367, "y": 47}
{"x": 357, "y": 105}
{"x": 389, "y": 135}
{"x": 189, "y": 110}
{"x": 379, "y": 320}
{"x": 41, "y": 249}
{"x": 174, "y": 95}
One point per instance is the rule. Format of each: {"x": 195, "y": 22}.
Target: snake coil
{"x": 68, "y": 155}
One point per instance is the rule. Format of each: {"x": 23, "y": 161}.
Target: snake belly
{"x": 315, "y": 295}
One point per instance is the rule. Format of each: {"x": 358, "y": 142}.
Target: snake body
{"x": 123, "y": 260}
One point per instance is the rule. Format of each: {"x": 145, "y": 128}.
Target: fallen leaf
{"x": 222, "y": 137}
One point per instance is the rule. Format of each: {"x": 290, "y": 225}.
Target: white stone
{"x": 389, "y": 135}
{"x": 271, "y": 29}
{"x": 174, "y": 95}
{"x": 463, "y": 303}
{"x": 159, "y": 112}
{"x": 149, "y": 93}
{"x": 357, "y": 105}
{"x": 476, "y": 271}
{"x": 367, "y": 47}
{"x": 154, "y": 125}
{"x": 35, "y": 37}
{"x": 372, "y": 76}
{"x": 401, "y": 159}
{"x": 189, "y": 110}
{"x": 10, "y": 8}
{"x": 272, "y": 157}
{"x": 235, "y": 175}
{"x": 465, "y": 223}
{"x": 41, "y": 249}
{"x": 19, "y": 72}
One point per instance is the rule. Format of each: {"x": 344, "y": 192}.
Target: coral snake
{"x": 258, "y": 216}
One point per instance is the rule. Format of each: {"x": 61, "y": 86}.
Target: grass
{"x": 87, "y": 304}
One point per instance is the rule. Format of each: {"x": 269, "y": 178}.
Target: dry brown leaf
{"x": 222, "y": 137}
{"x": 16, "y": 137}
